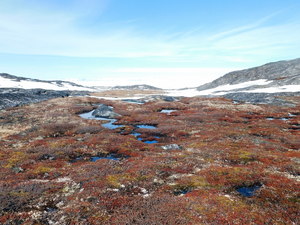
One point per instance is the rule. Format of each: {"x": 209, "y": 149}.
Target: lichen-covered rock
{"x": 171, "y": 147}
{"x": 105, "y": 111}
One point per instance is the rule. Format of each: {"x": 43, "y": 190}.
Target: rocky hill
{"x": 11, "y": 97}
{"x": 275, "y": 74}
{"x": 15, "y": 90}
{"x": 262, "y": 84}
{"x": 11, "y": 81}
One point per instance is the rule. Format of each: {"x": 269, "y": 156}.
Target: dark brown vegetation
{"x": 46, "y": 176}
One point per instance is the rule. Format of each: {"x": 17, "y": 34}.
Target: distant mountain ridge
{"x": 12, "y": 81}
{"x": 136, "y": 87}
{"x": 262, "y": 84}
{"x": 16, "y": 91}
{"x": 273, "y": 74}
{"x": 17, "y": 78}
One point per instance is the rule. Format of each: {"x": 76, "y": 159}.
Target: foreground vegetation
{"x": 48, "y": 177}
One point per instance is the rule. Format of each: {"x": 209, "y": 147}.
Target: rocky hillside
{"x": 11, "y": 97}
{"x": 15, "y": 90}
{"x": 276, "y": 75}
{"x": 264, "y": 84}
{"x": 11, "y": 81}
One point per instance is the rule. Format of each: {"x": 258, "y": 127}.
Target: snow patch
{"x": 224, "y": 89}
{"x": 231, "y": 88}
{"x": 28, "y": 84}
{"x": 285, "y": 88}
{"x": 186, "y": 92}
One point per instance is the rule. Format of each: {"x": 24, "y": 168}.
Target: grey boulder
{"x": 105, "y": 111}
{"x": 171, "y": 147}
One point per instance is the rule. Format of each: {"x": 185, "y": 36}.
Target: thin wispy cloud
{"x": 245, "y": 28}
{"x": 55, "y": 33}
{"x": 92, "y": 29}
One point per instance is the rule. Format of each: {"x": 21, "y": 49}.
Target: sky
{"x": 166, "y": 43}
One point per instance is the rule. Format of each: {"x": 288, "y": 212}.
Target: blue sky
{"x": 162, "y": 42}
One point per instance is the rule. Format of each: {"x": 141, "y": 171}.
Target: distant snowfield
{"x": 27, "y": 84}
{"x": 188, "y": 92}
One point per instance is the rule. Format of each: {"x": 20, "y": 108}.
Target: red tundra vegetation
{"x": 228, "y": 163}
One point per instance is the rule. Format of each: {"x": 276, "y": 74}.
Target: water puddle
{"x": 110, "y": 124}
{"x": 151, "y": 142}
{"x": 284, "y": 118}
{"x": 270, "y": 118}
{"x": 144, "y": 126}
{"x": 110, "y": 156}
{"x": 88, "y": 115}
{"x": 133, "y": 101}
{"x": 281, "y": 118}
{"x": 136, "y": 134}
{"x": 182, "y": 191}
{"x": 248, "y": 191}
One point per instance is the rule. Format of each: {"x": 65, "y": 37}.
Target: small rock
{"x": 60, "y": 204}
{"x": 158, "y": 181}
{"x": 17, "y": 169}
{"x": 80, "y": 139}
{"x": 46, "y": 157}
{"x": 171, "y": 147}
{"x": 144, "y": 191}
{"x": 39, "y": 138}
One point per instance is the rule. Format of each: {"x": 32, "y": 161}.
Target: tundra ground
{"x": 48, "y": 175}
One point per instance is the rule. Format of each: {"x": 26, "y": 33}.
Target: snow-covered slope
{"x": 277, "y": 77}
{"x": 258, "y": 86}
{"x": 10, "y": 81}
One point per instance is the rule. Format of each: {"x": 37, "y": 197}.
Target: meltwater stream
{"x": 110, "y": 122}
{"x": 110, "y": 125}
